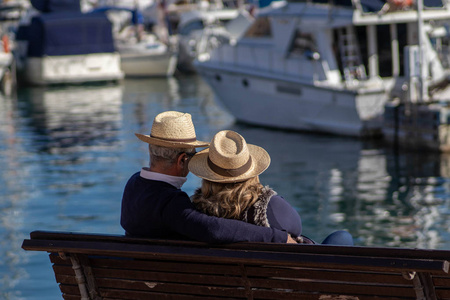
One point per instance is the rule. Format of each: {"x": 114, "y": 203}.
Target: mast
{"x": 423, "y": 95}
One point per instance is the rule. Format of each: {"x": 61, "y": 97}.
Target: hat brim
{"x": 198, "y": 165}
{"x": 170, "y": 144}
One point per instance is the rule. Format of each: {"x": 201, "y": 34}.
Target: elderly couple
{"x": 230, "y": 206}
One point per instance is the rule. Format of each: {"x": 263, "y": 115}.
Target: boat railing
{"x": 357, "y": 5}
{"x": 370, "y": 6}
{"x": 385, "y": 12}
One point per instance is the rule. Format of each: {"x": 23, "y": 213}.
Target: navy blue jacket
{"x": 156, "y": 209}
{"x": 282, "y": 215}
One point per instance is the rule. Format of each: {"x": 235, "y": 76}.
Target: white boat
{"x": 205, "y": 28}
{"x": 142, "y": 52}
{"x": 331, "y": 68}
{"x": 148, "y": 57}
{"x": 57, "y": 44}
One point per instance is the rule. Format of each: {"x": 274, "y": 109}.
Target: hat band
{"x": 175, "y": 140}
{"x": 230, "y": 172}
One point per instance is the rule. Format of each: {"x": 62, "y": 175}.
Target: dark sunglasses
{"x": 190, "y": 155}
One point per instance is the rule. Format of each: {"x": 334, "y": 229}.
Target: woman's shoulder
{"x": 282, "y": 215}
{"x": 278, "y": 203}
{"x": 272, "y": 196}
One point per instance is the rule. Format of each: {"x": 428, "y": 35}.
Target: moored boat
{"x": 148, "y": 58}
{"x": 57, "y": 44}
{"x": 142, "y": 52}
{"x": 330, "y": 66}
{"x": 203, "y": 29}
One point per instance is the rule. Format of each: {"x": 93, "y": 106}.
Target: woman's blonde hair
{"x": 227, "y": 200}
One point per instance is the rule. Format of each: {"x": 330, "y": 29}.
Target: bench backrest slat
{"x": 269, "y": 247}
{"x": 208, "y": 255}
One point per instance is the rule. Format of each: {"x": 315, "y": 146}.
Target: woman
{"x": 231, "y": 188}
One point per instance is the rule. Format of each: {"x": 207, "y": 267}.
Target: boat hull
{"x": 65, "y": 69}
{"x": 149, "y": 65}
{"x": 265, "y": 101}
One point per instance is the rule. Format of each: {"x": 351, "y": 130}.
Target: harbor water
{"x": 67, "y": 152}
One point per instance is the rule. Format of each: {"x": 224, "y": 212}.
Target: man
{"x": 153, "y": 204}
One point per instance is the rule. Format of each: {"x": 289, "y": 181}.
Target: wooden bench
{"x": 91, "y": 266}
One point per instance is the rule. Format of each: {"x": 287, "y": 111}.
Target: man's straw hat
{"x": 229, "y": 159}
{"x": 172, "y": 129}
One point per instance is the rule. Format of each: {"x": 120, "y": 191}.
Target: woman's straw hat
{"x": 229, "y": 159}
{"x": 172, "y": 129}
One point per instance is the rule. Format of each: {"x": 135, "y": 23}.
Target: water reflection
{"x": 70, "y": 118}
{"x": 420, "y": 186}
{"x": 160, "y": 93}
{"x": 188, "y": 94}
{"x": 12, "y": 180}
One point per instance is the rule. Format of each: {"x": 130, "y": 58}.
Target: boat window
{"x": 259, "y": 28}
{"x": 302, "y": 43}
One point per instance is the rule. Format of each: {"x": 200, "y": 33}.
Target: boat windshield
{"x": 191, "y": 26}
{"x": 302, "y": 43}
{"x": 260, "y": 28}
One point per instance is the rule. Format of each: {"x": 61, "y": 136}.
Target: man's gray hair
{"x": 168, "y": 154}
